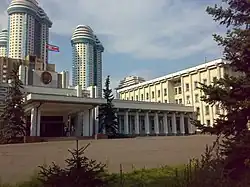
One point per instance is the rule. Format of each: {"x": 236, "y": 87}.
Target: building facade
{"x": 3, "y": 42}
{"x": 129, "y": 81}
{"x": 181, "y": 88}
{"x": 87, "y": 58}
{"x": 28, "y": 30}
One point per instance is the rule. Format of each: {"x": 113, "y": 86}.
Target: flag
{"x": 52, "y": 48}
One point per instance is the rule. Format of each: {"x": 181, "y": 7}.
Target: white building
{"x": 129, "y": 81}
{"x": 28, "y": 28}
{"x": 50, "y": 108}
{"x": 182, "y": 88}
{"x": 3, "y": 42}
{"x": 87, "y": 58}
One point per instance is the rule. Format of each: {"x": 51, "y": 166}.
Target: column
{"x": 33, "y": 119}
{"x": 86, "y": 123}
{"x": 165, "y": 123}
{"x": 156, "y": 119}
{"x": 174, "y": 132}
{"x": 35, "y": 116}
{"x": 182, "y": 126}
{"x": 38, "y": 125}
{"x": 91, "y": 122}
{"x": 96, "y": 113}
{"x": 147, "y": 124}
{"x": 126, "y": 123}
{"x": 137, "y": 126}
{"x": 78, "y": 125}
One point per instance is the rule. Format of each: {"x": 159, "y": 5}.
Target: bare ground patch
{"x": 17, "y": 162}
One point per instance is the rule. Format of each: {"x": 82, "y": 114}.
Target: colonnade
{"x": 155, "y": 123}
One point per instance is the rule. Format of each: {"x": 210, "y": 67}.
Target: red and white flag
{"x": 52, "y": 48}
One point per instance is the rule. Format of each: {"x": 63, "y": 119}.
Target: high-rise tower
{"x": 28, "y": 29}
{"x": 3, "y": 42}
{"x": 87, "y": 58}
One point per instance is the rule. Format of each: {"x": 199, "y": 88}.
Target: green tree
{"x": 107, "y": 113}
{"x": 14, "y": 126}
{"x": 79, "y": 171}
{"x": 232, "y": 93}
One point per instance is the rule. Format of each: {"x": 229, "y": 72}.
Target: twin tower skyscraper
{"x": 28, "y": 34}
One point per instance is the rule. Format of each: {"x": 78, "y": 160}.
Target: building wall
{"x": 28, "y": 30}
{"x": 87, "y": 58}
{"x": 3, "y": 42}
{"x": 181, "y": 88}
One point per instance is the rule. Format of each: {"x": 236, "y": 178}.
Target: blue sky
{"x": 148, "y": 38}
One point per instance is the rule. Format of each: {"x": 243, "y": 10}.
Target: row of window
{"x": 207, "y": 112}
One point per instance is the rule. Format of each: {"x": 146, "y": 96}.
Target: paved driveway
{"x": 17, "y": 162}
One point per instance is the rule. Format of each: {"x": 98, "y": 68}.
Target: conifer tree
{"x": 13, "y": 116}
{"x": 107, "y": 113}
{"x": 232, "y": 93}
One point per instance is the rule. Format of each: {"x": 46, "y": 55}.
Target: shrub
{"x": 80, "y": 171}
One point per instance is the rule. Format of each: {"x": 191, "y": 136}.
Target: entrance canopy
{"x": 56, "y": 104}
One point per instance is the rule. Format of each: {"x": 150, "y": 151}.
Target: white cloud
{"x": 162, "y": 29}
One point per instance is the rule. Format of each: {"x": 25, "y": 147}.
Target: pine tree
{"x": 79, "y": 171}
{"x": 232, "y": 93}
{"x": 107, "y": 113}
{"x": 13, "y": 118}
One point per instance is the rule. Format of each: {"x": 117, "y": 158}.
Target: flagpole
{"x": 44, "y": 57}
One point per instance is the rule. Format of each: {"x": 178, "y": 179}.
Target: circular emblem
{"x": 46, "y": 77}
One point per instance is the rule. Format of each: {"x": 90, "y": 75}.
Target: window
{"x": 217, "y": 109}
{"x": 179, "y": 90}
{"x": 165, "y": 101}
{"x": 176, "y": 101}
{"x": 159, "y": 93}
{"x": 153, "y": 94}
{"x": 196, "y": 98}
{"x": 142, "y": 97}
{"x": 180, "y": 101}
{"x": 187, "y": 87}
{"x": 207, "y": 110}
{"x": 214, "y": 79}
{"x": 188, "y": 99}
{"x": 196, "y": 85}
{"x": 165, "y": 91}
{"x": 137, "y": 98}
{"x": 198, "y": 110}
{"x": 176, "y": 91}
{"x": 205, "y": 81}
{"x": 208, "y": 123}
{"x": 147, "y": 96}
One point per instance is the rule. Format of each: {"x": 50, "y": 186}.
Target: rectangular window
{"x": 207, "y": 110}
{"x": 188, "y": 99}
{"x": 196, "y": 85}
{"x": 205, "y": 81}
{"x": 137, "y": 98}
{"x": 196, "y": 98}
{"x": 179, "y": 90}
{"x": 132, "y": 98}
{"x": 142, "y": 97}
{"x": 180, "y": 101}
{"x": 165, "y": 91}
{"x": 198, "y": 110}
{"x": 176, "y": 91}
{"x": 187, "y": 87}
{"x": 208, "y": 123}
{"x": 217, "y": 109}
{"x": 147, "y": 96}
{"x": 159, "y": 93}
{"x": 153, "y": 94}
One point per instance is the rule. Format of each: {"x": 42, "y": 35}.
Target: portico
{"x": 50, "y": 114}
{"x": 143, "y": 118}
